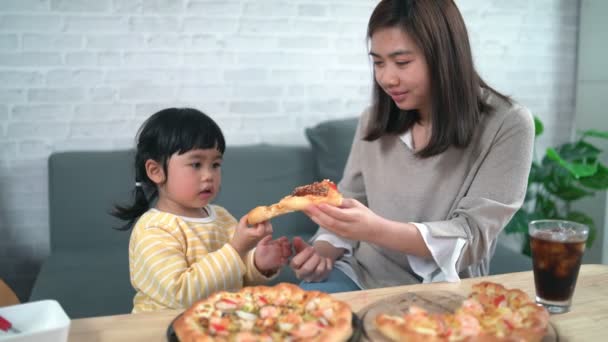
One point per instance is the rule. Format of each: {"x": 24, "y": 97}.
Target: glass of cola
{"x": 557, "y": 250}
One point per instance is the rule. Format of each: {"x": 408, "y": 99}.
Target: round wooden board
{"x": 436, "y": 301}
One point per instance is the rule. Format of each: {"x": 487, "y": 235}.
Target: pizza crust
{"x": 292, "y": 203}
{"x": 187, "y": 330}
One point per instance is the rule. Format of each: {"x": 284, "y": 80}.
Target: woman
{"x": 438, "y": 166}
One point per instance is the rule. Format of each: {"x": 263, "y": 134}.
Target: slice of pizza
{"x": 301, "y": 197}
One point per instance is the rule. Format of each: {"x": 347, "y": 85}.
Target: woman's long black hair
{"x": 169, "y": 131}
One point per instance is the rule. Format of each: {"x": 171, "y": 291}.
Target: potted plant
{"x": 565, "y": 174}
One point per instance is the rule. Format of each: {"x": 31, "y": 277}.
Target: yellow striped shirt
{"x": 175, "y": 261}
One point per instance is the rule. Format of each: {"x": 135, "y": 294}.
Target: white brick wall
{"x": 84, "y": 74}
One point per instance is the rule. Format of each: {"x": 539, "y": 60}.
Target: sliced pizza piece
{"x": 301, "y": 197}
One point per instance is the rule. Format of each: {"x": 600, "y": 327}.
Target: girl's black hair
{"x": 169, "y": 131}
{"x": 457, "y": 91}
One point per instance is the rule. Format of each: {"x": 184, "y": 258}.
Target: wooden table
{"x": 587, "y": 320}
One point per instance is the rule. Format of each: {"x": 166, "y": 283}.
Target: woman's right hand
{"x": 308, "y": 264}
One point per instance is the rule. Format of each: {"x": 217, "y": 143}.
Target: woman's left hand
{"x": 352, "y": 220}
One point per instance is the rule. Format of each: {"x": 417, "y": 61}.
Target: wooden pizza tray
{"x": 355, "y": 337}
{"x": 432, "y": 301}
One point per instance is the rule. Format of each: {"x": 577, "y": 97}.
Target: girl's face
{"x": 400, "y": 69}
{"x": 193, "y": 181}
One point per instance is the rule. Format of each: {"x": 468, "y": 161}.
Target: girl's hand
{"x": 245, "y": 237}
{"x": 270, "y": 254}
{"x": 352, "y": 220}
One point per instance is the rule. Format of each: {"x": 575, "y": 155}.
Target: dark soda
{"x": 556, "y": 264}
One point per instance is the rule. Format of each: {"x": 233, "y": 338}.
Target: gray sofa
{"x": 87, "y": 270}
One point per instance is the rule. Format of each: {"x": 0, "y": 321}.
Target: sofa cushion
{"x": 506, "y": 260}
{"x": 83, "y": 187}
{"x": 331, "y": 142}
{"x": 87, "y": 283}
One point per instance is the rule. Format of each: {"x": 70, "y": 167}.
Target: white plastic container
{"x": 43, "y": 320}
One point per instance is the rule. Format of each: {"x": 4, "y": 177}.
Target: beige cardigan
{"x": 469, "y": 193}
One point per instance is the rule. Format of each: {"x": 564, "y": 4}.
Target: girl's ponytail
{"x": 133, "y": 212}
{"x": 141, "y": 202}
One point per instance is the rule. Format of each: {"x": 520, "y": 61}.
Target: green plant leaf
{"x": 561, "y": 183}
{"x": 581, "y": 151}
{"x": 598, "y": 181}
{"x": 571, "y": 193}
{"x": 526, "y": 250}
{"x": 518, "y": 224}
{"x": 583, "y": 218}
{"x": 596, "y": 134}
{"x": 538, "y": 127}
{"x": 565, "y": 173}
{"x": 536, "y": 173}
{"x": 547, "y": 206}
{"x": 578, "y": 170}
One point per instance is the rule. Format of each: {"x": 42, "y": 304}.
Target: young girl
{"x": 182, "y": 248}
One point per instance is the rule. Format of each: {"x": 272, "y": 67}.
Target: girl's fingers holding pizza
{"x": 261, "y": 229}
{"x": 268, "y": 227}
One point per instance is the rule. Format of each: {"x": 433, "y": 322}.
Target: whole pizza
{"x": 283, "y": 312}
{"x": 491, "y": 313}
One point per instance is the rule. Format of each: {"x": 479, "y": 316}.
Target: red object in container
{"x": 6, "y": 326}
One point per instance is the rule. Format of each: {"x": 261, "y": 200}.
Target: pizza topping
{"x": 499, "y": 300}
{"x": 246, "y": 315}
{"x": 269, "y": 311}
{"x": 331, "y": 184}
{"x": 307, "y": 330}
{"x": 315, "y": 189}
{"x": 226, "y": 305}
{"x": 285, "y": 326}
{"x": 263, "y": 300}
{"x": 469, "y": 325}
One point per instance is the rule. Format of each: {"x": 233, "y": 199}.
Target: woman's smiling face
{"x": 400, "y": 69}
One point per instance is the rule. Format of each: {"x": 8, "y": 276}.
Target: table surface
{"x": 587, "y": 320}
